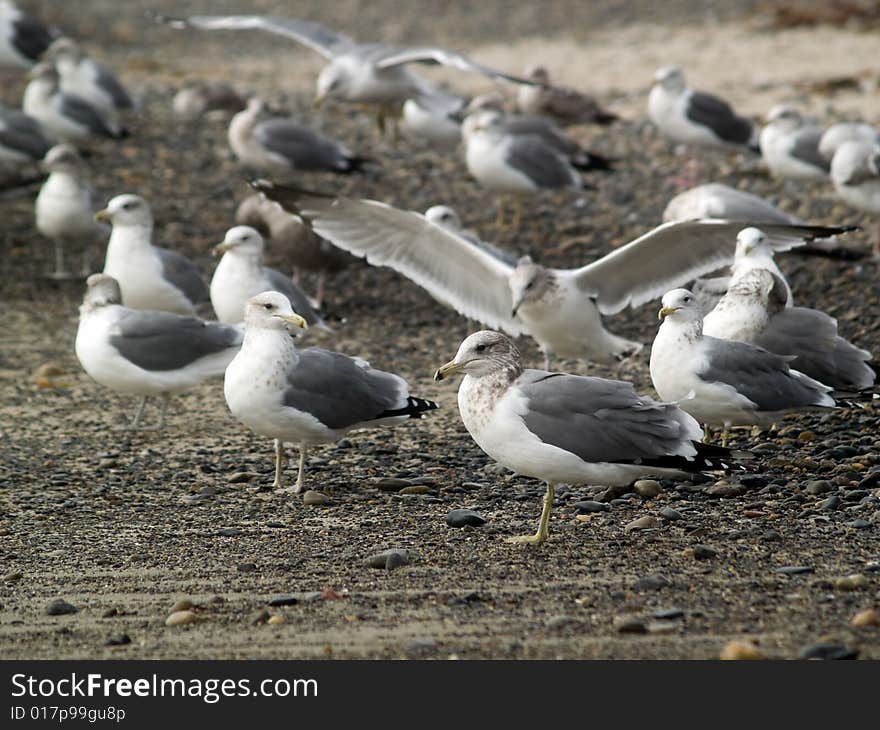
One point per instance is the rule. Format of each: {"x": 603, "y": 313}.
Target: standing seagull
{"x": 562, "y": 104}
{"x": 560, "y": 308}
{"x": 150, "y": 277}
{"x": 790, "y": 146}
{"x": 310, "y": 396}
{"x": 67, "y": 117}
{"x": 64, "y": 208}
{"x": 855, "y": 172}
{"x": 568, "y": 429}
{"x": 148, "y": 353}
{"x": 23, "y": 39}
{"x": 282, "y": 147}
{"x": 241, "y": 275}
{"x": 724, "y": 383}
{"x": 22, "y": 141}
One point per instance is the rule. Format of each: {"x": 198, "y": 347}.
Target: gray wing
{"x": 85, "y": 114}
{"x": 444, "y": 263}
{"x": 811, "y": 337}
{"x": 161, "y": 341}
{"x": 671, "y": 255}
{"x": 397, "y": 57}
{"x": 112, "y": 87}
{"x": 303, "y": 147}
{"x": 341, "y": 391}
{"x": 806, "y": 148}
{"x": 313, "y": 35}
{"x": 715, "y": 200}
{"x": 761, "y": 376}
{"x": 298, "y": 299}
{"x": 603, "y": 420}
{"x": 545, "y": 129}
{"x": 715, "y": 113}
{"x": 543, "y": 165}
{"x": 184, "y": 274}
{"x": 20, "y": 132}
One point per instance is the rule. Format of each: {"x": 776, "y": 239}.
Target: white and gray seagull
{"x": 855, "y": 172}
{"x": 22, "y": 140}
{"x": 790, "y": 145}
{"x": 148, "y": 353}
{"x": 23, "y": 38}
{"x": 568, "y": 429}
{"x": 560, "y": 308}
{"x": 310, "y": 396}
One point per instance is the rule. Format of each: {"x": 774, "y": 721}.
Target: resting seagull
{"x": 67, "y": 117}
{"x": 310, "y": 396}
{"x": 150, "y": 277}
{"x": 148, "y": 353}
{"x": 22, "y": 141}
{"x": 23, "y": 39}
{"x": 723, "y": 383}
{"x": 855, "y": 172}
{"x": 560, "y": 308}
{"x": 754, "y": 310}
{"x": 241, "y": 275}
{"x": 568, "y": 429}
{"x": 281, "y": 147}
{"x": 562, "y": 104}
{"x": 64, "y": 210}
{"x": 842, "y": 132}
{"x": 371, "y": 73}
{"x": 790, "y": 146}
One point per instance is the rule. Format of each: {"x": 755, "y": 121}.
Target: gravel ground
{"x": 124, "y": 525}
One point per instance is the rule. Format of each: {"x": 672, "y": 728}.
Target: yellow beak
{"x": 293, "y": 319}
{"x": 666, "y": 311}
{"x": 104, "y": 216}
{"x": 221, "y": 248}
{"x": 448, "y": 370}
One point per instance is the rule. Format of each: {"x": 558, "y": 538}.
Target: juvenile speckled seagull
{"x": 562, "y": 104}
{"x": 148, "y": 353}
{"x": 560, "y": 308}
{"x": 241, "y": 275}
{"x": 310, "y": 396}
{"x": 720, "y": 382}
{"x": 568, "y": 429}
{"x": 150, "y": 277}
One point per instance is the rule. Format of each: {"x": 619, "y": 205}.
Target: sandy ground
{"x": 123, "y": 525}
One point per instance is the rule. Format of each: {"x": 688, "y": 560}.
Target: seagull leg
{"x": 548, "y": 356}
{"x": 319, "y": 293}
{"x": 543, "y": 524}
{"x": 725, "y": 434}
{"x": 61, "y": 271}
{"x": 297, "y": 488}
{"x": 163, "y": 407}
{"x": 279, "y": 458}
{"x": 707, "y": 433}
{"x": 517, "y": 212}
{"x": 499, "y": 220}
{"x": 139, "y": 411}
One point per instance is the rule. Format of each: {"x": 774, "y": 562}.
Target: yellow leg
{"x": 279, "y": 458}
{"x": 724, "y": 436}
{"x": 543, "y": 524}
{"x": 499, "y": 221}
{"x": 707, "y": 433}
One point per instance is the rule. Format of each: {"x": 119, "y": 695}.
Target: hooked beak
{"x": 666, "y": 311}
{"x": 293, "y": 319}
{"x": 104, "y": 216}
{"x": 448, "y": 370}
{"x": 221, "y": 248}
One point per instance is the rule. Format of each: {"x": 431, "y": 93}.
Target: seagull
{"x": 23, "y": 39}
{"x": 281, "y": 147}
{"x": 790, "y": 146}
{"x": 310, "y": 396}
{"x": 720, "y": 382}
{"x": 67, "y": 117}
{"x": 290, "y": 234}
{"x": 372, "y": 73}
{"x": 87, "y": 79}
{"x": 241, "y": 275}
{"x": 22, "y": 141}
{"x": 754, "y": 310}
{"x": 697, "y": 118}
{"x": 446, "y": 217}
{"x": 842, "y": 132}
{"x": 64, "y": 209}
{"x": 438, "y": 123}
{"x": 855, "y": 172}
{"x": 562, "y": 104}
{"x": 148, "y": 353}
{"x": 150, "y": 277}
{"x": 560, "y": 308}
{"x": 199, "y": 97}
{"x": 568, "y": 429}
{"x": 513, "y": 164}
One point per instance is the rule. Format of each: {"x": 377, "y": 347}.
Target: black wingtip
{"x": 357, "y": 164}
{"x": 414, "y": 408}
{"x": 604, "y": 119}
{"x": 592, "y": 161}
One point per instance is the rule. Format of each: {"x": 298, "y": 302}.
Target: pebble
{"x": 284, "y": 599}
{"x": 819, "y": 486}
{"x": 391, "y": 484}
{"x": 118, "y": 640}
{"x": 794, "y": 569}
{"x": 111, "y": 613}
{"x": 229, "y": 532}
{"x": 389, "y": 559}
{"x": 180, "y": 618}
{"x": 276, "y": 620}
{"x": 415, "y": 489}
{"x": 558, "y": 623}
{"x": 857, "y": 524}
{"x": 12, "y": 577}
{"x": 313, "y": 498}
{"x": 668, "y": 614}
{"x": 868, "y": 617}
{"x": 465, "y": 517}
{"x": 590, "y": 505}
{"x": 247, "y": 567}
{"x": 260, "y": 617}
{"x": 651, "y": 583}
{"x": 184, "y": 604}
{"x": 741, "y": 650}
{"x": 830, "y": 504}
{"x": 704, "y": 552}
{"x": 852, "y": 582}
{"x": 240, "y": 477}
{"x": 828, "y": 651}
{"x": 629, "y": 625}
{"x": 60, "y": 607}
{"x": 647, "y": 488}
{"x": 723, "y": 489}
{"x": 667, "y": 513}
{"x": 647, "y": 522}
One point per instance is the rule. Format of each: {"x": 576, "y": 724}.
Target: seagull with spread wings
{"x": 560, "y": 308}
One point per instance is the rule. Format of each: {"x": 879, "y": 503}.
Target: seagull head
{"x": 537, "y": 73}
{"x": 241, "y": 240}
{"x": 271, "y": 310}
{"x": 528, "y": 283}
{"x": 482, "y": 353}
{"x": 443, "y": 216}
{"x": 751, "y": 242}
{"x": 680, "y": 305}
{"x": 482, "y": 122}
{"x": 101, "y": 290}
{"x": 333, "y": 82}
{"x": 785, "y": 117}
{"x": 63, "y": 48}
{"x": 127, "y": 210}
{"x": 670, "y": 78}
{"x": 62, "y": 158}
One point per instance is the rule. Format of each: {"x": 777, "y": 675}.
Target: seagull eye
{"x": 480, "y": 348}
{"x": 269, "y": 306}
{"x": 530, "y": 285}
